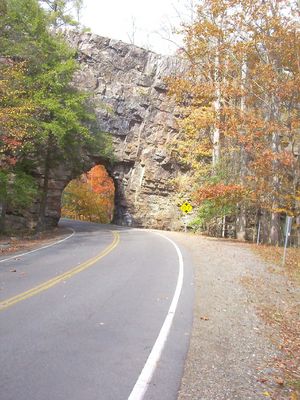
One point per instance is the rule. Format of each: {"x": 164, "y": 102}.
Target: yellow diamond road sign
{"x": 186, "y": 207}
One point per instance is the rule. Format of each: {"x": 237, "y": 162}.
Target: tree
{"x": 61, "y": 121}
{"x": 16, "y": 110}
{"x": 274, "y": 81}
{"x": 91, "y": 197}
{"x": 17, "y": 190}
{"x": 239, "y": 101}
{"x": 17, "y": 187}
{"x": 63, "y": 12}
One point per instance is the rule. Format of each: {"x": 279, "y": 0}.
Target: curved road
{"x": 78, "y": 320}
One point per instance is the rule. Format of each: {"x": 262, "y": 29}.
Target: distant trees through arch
{"x": 90, "y": 197}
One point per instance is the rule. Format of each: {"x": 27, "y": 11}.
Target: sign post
{"x": 185, "y": 208}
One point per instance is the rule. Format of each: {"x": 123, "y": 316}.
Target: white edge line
{"x": 146, "y": 375}
{"x": 40, "y": 248}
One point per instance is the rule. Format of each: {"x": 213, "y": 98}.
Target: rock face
{"x": 129, "y": 87}
{"x": 128, "y": 84}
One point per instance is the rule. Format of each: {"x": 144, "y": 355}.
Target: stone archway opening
{"x": 90, "y": 197}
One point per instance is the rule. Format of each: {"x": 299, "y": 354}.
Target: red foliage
{"x": 218, "y": 191}
{"x": 100, "y": 181}
{"x": 91, "y": 197}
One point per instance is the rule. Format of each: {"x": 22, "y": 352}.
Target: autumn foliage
{"x": 220, "y": 192}
{"x": 16, "y": 109}
{"x": 238, "y": 106}
{"x": 90, "y": 197}
{"x": 44, "y": 120}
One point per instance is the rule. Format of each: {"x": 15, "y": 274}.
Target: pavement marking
{"x": 48, "y": 284}
{"x": 143, "y": 382}
{"x": 40, "y": 248}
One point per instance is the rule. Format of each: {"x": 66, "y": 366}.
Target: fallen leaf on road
{"x": 13, "y": 270}
{"x": 266, "y": 394}
{"x": 262, "y": 380}
{"x": 204, "y": 318}
{"x": 279, "y": 380}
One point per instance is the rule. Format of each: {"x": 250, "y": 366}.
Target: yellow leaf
{"x": 266, "y": 394}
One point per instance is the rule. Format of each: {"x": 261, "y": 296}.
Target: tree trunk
{"x": 241, "y": 220}
{"x": 275, "y": 217}
{"x": 296, "y": 193}
{"x": 217, "y": 107}
{"x": 241, "y": 224}
{"x": 3, "y": 206}
{"x": 43, "y": 203}
{"x": 224, "y": 227}
{"x": 275, "y": 229}
{"x": 264, "y": 227}
{"x": 298, "y": 230}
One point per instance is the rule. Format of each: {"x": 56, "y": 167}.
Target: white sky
{"x": 152, "y": 19}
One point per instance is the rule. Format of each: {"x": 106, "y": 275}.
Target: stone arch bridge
{"x": 128, "y": 84}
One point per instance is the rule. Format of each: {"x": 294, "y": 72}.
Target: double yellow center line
{"x": 60, "y": 278}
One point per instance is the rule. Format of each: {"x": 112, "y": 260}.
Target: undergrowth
{"x": 278, "y": 304}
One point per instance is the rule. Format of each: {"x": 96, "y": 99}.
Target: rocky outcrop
{"x": 131, "y": 102}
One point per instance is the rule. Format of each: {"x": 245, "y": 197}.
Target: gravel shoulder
{"x": 232, "y": 353}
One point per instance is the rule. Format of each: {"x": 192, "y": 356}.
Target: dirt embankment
{"x": 15, "y": 244}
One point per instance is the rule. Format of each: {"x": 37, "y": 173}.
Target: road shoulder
{"x": 9, "y": 245}
{"x": 231, "y": 354}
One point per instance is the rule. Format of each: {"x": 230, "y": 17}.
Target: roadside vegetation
{"x": 44, "y": 120}
{"x": 90, "y": 197}
{"x": 276, "y": 299}
{"x": 238, "y": 107}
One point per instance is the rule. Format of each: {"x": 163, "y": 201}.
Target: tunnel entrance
{"x": 90, "y": 197}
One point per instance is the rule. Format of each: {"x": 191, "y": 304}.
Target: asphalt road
{"x": 78, "y": 320}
